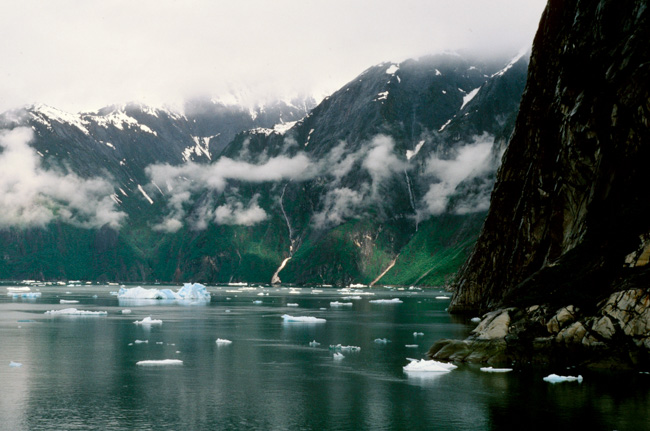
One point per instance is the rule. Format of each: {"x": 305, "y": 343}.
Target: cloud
{"x": 235, "y": 213}
{"x": 339, "y": 205}
{"x": 381, "y": 162}
{"x": 158, "y": 52}
{"x": 472, "y": 161}
{"x": 32, "y": 196}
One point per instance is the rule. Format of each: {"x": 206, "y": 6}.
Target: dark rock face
{"x": 570, "y": 201}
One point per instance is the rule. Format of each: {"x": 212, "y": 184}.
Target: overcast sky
{"x": 82, "y": 54}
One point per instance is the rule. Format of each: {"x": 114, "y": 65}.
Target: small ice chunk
{"x": 159, "y": 342}
{"x": 386, "y": 301}
{"x": 26, "y": 295}
{"x": 345, "y": 348}
{"x": 302, "y": 319}
{"x": 443, "y": 297}
{"x": 260, "y": 294}
{"x": 194, "y": 292}
{"x": 257, "y": 302}
{"x": 340, "y": 304}
{"x": 475, "y": 320}
{"x": 148, "y": 321}
{"x": 348, "y": 298}
{"x": 141, "y": 341}
{"x": 428, "y": 366}
{"x": 411, "y": 346}
{"x": 75, "y": 312}
{"x": 382, "y": 340}
{"x": 554, "y": 378}
{"x": 15, "y": 364}
{"x": 292, "y": 304}
{"x": 160, "y": 362}
{"x": 338, "y": 356}
{"x": 418, "y": 334}
{"x": 222, "y": 341}
{"x": 314, "y": 343}
{"x": 495, "y": 370}
{"x": 126, "y": 311}
{"x": 68, "y": 301}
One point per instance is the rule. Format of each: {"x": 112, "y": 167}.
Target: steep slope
{"x": 565, "y": 242}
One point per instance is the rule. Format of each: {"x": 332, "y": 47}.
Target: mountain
{"x": 386, "y": 180}
{"x": 560, "y": 266}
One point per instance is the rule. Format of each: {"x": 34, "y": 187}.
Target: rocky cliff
{"x": 561, "y": 262}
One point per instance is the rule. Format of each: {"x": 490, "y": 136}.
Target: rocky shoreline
{"x": 617, "y": 336}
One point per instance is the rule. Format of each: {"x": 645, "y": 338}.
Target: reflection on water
{"x": 80, "y": 372}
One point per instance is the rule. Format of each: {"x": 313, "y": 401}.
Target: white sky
{"x": 86, "y": 54}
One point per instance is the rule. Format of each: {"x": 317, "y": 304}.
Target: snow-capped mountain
{"x": 393, "y": 168}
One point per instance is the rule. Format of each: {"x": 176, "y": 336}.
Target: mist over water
{"x": 81, "y": 372}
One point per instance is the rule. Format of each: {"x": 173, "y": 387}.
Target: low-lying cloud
{"x": 33, "y": 196}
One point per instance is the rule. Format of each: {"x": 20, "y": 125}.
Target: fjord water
{"x": 81, "y": 372}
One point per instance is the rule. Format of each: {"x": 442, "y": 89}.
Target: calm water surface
{"x": 80, "y": 373}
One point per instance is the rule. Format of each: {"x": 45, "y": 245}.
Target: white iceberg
{"x": 314, "y": 343}
{"x": 257, "y": 302}
{"x": 222, "y": 341}
{"x": 382, "y": 340}
{"x": 193, "y": 292}
{"x": 411, "y": 346}
{"x": 148, "y": 321}
{"x": 443, "y": 297}
{"x": 292, "y": 304}
{"x": 68, "y": 301}
{"x": 475, "y": 320}
{"x": 495, "y": 370}
{"x": 554, "y": 378}
{"x": 386, "y": 301}
{"x": 418, "y": 334}
{"x": 19, "y": 289}
{"x": 340, "y": 304}
{"x": 15, "y": 364}
{"x": 126, "y": 311}
{"x": 302, "y": 319}
{"x": 141, "y": 341}
{"x": 424, "y": 366}
{"x": 338, "y": 356}
{"x": 75, "y": 312}
{"x": 154, "y": 363}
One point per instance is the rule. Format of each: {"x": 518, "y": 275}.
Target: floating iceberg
{"x": 75, "y": 312}
{"x": 382, "y": 340}
{"x": 141, "y": 341}
{"x": 292, "y": 304}
{"x": 314, "y": 343}
{"x": 495, "y": 370}
{"x": 15, "y": 364}
{"x": 422, "y": 366}
{"x": 222, "y": 341}
{"x": 386, "y": 301}
{"x": 411, "y": 346}
{"x": 443, "y": 297}
{"x": 28, "y": 295}
{"x": 19, "y": 289}
{"x": 554, "y": 378}
{"x": 257, "y": 302}
{"x": 340, "y": 304}
{"x": 126, "y": 311}
{"x": 68, "y": 301}
{"x": 356, "y": 297}
{"x": 418, "y": 334}
{"x": 160, "y": 362}
{"x": 148, "y": 321}
{"x": 338, "y": 356}
{"x": 193, "y": 292}
{"x": 475, "y": 320}
{"x": 302, "y": 319}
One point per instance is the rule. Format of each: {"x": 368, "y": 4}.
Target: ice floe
{"x": 422, "y": 366}
{"x": 153, "y": 363}
{"x": 495, "y": 370}
{"x": 475, "y": 320}
{"x": 292, "y": 304}
{"x": 411, "y": 346}
{"x": 68, "y": 301}
{"x": 28, "y": 295}
{"x": 222, "y": 341}
{"x": 302, "y": 319}
{"x": 314, "y": 343}
{"x": 386, "y": 301}
{"x": 148, "y": 321}
{"x": 15, "y": 364}
{"x": 189, "y": 292}
{"x": 340, "y": 304}
{"x": 126, "y": 311}
{"x": 345, "y": 348}
{"x": 418, "y": 334}
{"x": 554, "y": 378}
{"x": 338, "y": 356}
{"x": 382, "y": 340}
{"x": 75, "y": 312}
